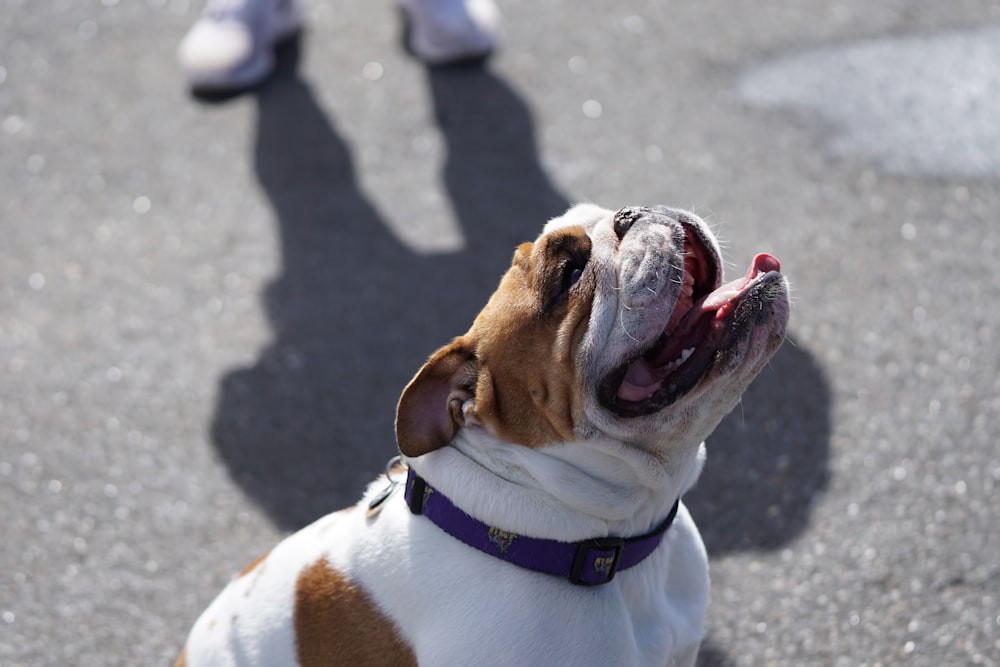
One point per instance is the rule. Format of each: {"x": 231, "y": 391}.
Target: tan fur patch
{"x": 336, "y": 623}
{"x": 526, "y": 341}
{"x": 182, "y": 658}
{"x": 255, "y": 568}
{"x": 252, "y": 566}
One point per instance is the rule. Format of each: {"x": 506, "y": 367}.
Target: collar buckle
{"x": 596, "y": 561}
{"x": 416, "y": 495}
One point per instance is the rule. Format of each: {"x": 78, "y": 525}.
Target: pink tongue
{"x": 641, "y": 381}
{"x": 643, "y": 378}
{"x": 762, "y": 263}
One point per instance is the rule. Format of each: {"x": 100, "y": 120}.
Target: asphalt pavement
{"x": 208, "y": 307}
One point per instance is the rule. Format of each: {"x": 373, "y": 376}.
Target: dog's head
{"x": 612, "y": 324}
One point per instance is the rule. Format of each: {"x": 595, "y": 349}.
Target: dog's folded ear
{"x": 433, "y": 405}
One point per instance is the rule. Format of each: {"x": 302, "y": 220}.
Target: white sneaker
{"x": 232, "y": 45}
{"x": 450, "y": 31}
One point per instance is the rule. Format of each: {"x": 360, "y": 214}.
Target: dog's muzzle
{"x": 705, "y": 319}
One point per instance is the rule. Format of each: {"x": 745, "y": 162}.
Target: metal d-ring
{"x": 375, "y": 506}
{"x": 392, "y": 463}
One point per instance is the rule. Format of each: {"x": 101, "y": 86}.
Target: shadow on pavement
{"x": 354, "y": 311}
{"x": 712, "y": 656}
{"x": 492, "y": 173}
{"x": 768, "y": 461}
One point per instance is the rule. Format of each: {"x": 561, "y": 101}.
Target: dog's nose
{"x": 624, "y": 219}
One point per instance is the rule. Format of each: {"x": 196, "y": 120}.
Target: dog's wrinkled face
{"x": 613, "y": 323}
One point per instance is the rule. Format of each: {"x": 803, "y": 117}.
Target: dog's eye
{"x": 572, "y": 270}
{"x": 563, "y": 265}
{"x": 575, "y": 275}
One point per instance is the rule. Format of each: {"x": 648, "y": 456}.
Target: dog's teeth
{"x": 685, "y": 355}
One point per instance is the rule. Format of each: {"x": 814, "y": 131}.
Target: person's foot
{"x": 232, "y": 45}
{"x": 443, "y": 32}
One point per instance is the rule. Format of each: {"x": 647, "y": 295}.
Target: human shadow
{"x": 492, "y": 173}
{"x": 768, "y": 461}
{"x": 711, "y": 655}
{"x": 354, "y": 310}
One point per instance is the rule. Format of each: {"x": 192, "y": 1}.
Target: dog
{"x": 534, "y": 517}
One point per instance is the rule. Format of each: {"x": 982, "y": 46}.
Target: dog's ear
{"x": 431, "y": 408}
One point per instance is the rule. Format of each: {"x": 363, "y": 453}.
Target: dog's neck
{"x": 565, "y": 492}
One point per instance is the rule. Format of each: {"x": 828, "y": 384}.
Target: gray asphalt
{"x": 208, "y": 307}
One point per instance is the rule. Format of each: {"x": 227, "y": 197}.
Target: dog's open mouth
{"x": 703, "y": 322}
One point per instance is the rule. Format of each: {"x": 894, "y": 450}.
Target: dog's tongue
{"x": 765, "y": 263}
{"x": 644, "y": 376}
{"x": 641, "y": 381}
{"x": 762, "y": 263}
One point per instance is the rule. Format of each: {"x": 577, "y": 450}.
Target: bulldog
{"x": 534, "y": 516}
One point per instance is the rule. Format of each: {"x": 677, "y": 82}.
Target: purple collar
{"x": 586, "y": 563}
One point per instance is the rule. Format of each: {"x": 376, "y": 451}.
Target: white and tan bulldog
{"x": 545, "y": 453}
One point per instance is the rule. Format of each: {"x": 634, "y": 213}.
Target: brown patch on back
{"x": 336, "y": 623}
{"x": 182, "y": 658}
